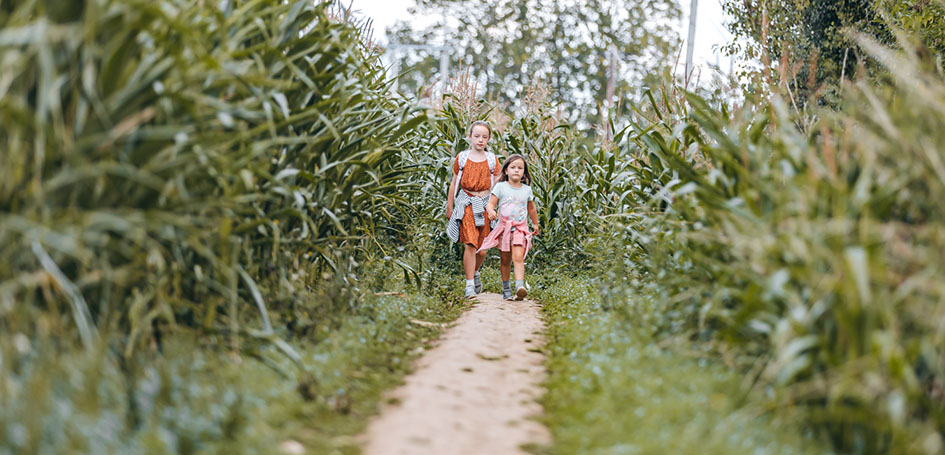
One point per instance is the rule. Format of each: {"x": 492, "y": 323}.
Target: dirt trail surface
{"x": 473, "y": 393}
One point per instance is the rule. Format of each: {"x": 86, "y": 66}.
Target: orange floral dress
{"x": 475, "y": 178}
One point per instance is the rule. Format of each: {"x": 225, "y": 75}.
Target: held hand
{"x": 491, "y": 212}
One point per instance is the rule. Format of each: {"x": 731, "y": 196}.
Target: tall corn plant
{"x": 811, "y": 254}
{"x": 184, "y": 161}
{"x": 424, "y": 249}
{"x": 554, "y": 153}
{"x": 555, "y": 158}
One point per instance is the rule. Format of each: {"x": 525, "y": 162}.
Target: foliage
{"x": 806, "y": 257}
{"x": 512, "y": 44}
{"x": 193, "y": 191}
{"x": 189, "y": 399}
{"x": 574, "y": 187}
{"x": 615, "y": 388}
{"x": 810, "y": 43}
{"x": 924, "y": 18}
{"x": 178, "y": 175}
{"x": 552, "y": 151}
{"x": 189, "y": 163}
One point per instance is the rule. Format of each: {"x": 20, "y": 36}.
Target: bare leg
{"x": 469, "y": 261}
{"x": 480, "y": 258}
{"x": 505, "y": 264}
{"x": 518, "y": 259}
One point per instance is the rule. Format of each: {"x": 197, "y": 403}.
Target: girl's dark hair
{"x": 526, "y": 176}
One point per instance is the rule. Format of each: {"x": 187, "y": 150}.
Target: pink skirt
{"x": 504, "y": 237}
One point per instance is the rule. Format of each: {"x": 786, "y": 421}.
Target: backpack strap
{"x": 490, "y": 157}
{"x": 461, "y": 160}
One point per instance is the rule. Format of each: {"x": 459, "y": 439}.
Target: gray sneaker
{"x": 470, "y": 292}
{"x": 520, "y": 293}
{"x": 507, "y": 294}
{"x": 478, "y": 283}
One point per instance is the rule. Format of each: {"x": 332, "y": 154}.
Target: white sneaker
{"x": 470, "y": 292}
{"x": 478, "y": 283}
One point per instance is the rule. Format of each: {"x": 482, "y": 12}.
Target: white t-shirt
{"x": 513, "y": 202}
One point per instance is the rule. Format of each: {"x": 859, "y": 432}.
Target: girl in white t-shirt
{"x": 511, "y": 201}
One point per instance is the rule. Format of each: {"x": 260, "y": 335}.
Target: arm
{"x": 452, "y": 194}
{"x": 490, "y": 207}
{"x": 493, "y": 178}
{"x": 533, "y": 214}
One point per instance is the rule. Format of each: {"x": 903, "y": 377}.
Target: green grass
{"x": 194, "y": 398}
{"x": 612, "y": 388}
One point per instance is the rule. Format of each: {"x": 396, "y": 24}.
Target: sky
{"x": 710, "y": 28}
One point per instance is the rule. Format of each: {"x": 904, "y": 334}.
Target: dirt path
{"x": 474, "y": 392}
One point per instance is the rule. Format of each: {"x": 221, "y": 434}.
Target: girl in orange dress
{"x": 474, "y": 171}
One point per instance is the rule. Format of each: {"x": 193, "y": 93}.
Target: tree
{"x": 811, "y": 42}
{"x": 926, "y": 18}
{"x": 509, "y": 43}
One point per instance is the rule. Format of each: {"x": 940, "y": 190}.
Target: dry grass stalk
{"x": 537, "y": 101}
{"x": 536, "y": 95}
{"x": 499, "y": 116}
{"x": 345, "y": 15}
{"x": 459, "y": 91}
